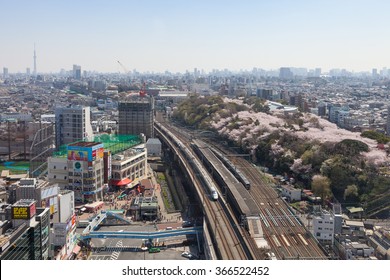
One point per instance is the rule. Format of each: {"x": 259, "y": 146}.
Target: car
{"x": 271, "y": 256}
{"x": 187, "y": 224}
{"x": 154, "y": 250}
{"x": 189, "y": 255}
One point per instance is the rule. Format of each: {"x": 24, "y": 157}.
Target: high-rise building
{"x": 28, "y": 71}
{"x": 76, "y": 72}
{"x": 72, "y": 124}
{"x": 35, "y": 62}
{"x": 5, "y": 72}
{"x": 64, "y": 230}
{"x": 375, "y": 73}
{"x": 285, "y": 73}
{"x": 317, "y": 72}
{"x": 137, "y": 116}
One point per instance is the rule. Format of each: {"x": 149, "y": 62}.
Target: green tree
{"x": 320, "y": 185}
{"x": 351, "y": 192}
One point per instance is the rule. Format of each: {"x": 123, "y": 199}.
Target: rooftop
{"x": 114, "y": 143}
{"x": 84, "y": 144}
{"x": 24, "y": 202}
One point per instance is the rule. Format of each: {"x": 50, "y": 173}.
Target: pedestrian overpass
{"x": 91, "y": 232}
{"x": 142, "y": 235}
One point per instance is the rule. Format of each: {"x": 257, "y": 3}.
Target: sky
{"x": 180, "y": 35}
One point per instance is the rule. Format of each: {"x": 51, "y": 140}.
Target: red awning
{"x": 122, "y": 182}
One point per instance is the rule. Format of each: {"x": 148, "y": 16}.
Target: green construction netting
{"x": 114, "y": 143}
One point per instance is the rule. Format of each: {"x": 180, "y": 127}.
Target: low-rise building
{"x": 291, "y": 193}
{"x": 129, "y": 167}
{"x": 380, "y": 241}
{"x": 153, "y": 146}
{"x": 353, "y": 250}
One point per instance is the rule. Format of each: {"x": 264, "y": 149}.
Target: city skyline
{"x": 178, "y": 36}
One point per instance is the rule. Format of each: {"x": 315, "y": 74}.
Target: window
{"x": 64, "y": 167}
{"x": 54, "y": 167}
{"x": 55, "y": 176}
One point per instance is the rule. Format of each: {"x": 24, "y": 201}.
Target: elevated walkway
{"x": 141, "y": 235}
{"x": 99, "y": 219}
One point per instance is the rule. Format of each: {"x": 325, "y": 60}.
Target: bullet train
{"x": 206, "y": 180}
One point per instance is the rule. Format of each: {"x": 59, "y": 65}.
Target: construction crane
{"x": 123, "y": 67}
{"x": 142, "y": 92}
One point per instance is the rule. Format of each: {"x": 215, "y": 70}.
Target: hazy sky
{"x": 176, "y": 35}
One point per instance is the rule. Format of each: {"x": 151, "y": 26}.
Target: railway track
{"x": 226, "y": 241}
{"x": 283, "y": 230}
{"x": 281, "y": 223}
{"x": 285, "y": 234}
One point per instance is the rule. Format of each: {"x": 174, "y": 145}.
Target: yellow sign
{"x": 20, "y": 213}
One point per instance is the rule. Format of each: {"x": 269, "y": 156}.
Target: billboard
{"x": 85, "y": 153}
{"x": 50, "y": 202}
{"x": 23, "y": 212}
{"x": 78, "y": 155}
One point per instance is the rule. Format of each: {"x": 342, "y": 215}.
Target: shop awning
{"x": 122, "y": 182}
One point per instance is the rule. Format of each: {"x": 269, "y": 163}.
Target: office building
{"x": 5, "y": 72}
{"x": 285, "y": 73}
{"x": 76, "y": 72}
{"x": 317, "y": 72}
{"x": 375, "y": 73}
{"x": 64, "y": 231}
{"x": 72, "y": 124}
{"x": 44, "y": 193}
{"x": 137, "y": 116}
{"x": 29, "y": 233}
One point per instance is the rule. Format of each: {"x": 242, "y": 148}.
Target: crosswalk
{"x": 115, "y": 254}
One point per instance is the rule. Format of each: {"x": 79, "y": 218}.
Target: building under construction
{"x": 136, "y": 116}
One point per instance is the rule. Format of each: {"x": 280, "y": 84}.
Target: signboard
{"x": 109, "y": 163}
{"x": 77, "y": 167}
{"x": 85, "y": 153}
{"x": 78, "y": 155}
{"x": 23, "y": 212}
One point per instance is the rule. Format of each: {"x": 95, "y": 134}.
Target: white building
{"x": 291, "y": 193}
{"x": 64, "y": 236}
{"x": 129, "y": 167}
{"x": 323, "y": 226}
{"x": 153, "y": 146}
{"x": 58, "y": 171}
